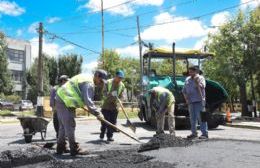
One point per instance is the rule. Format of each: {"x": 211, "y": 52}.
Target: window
{"x": 17, "y": 75}
{"x": 15, "y": 55}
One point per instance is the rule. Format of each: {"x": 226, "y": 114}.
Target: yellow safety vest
{"x": 170, "y": 96}
{"x": 120, "y": 88}
{"x": 70, "y": 93}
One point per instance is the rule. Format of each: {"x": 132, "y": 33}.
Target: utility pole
{"x": 39, "y": 111}
{"x": 140, "y": 54}
{"x": 103, "y": 34}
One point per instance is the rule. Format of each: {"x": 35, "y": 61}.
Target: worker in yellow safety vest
{"x": 114, "y": 90}
{"x": 75, "y": 93}
{"x": 62, "y": 80}
{"x": 163, "y": 101}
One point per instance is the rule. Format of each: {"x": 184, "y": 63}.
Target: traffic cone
{"x": 228, "y": 115}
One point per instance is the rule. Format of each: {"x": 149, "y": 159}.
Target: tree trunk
{"x": 243, "y": 99}
{"x": 232, "y": 104}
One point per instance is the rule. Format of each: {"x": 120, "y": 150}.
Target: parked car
{"x": 25, "y": 105}
{"x": 6, "y": 105}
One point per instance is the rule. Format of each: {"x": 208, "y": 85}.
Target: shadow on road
{"x": 97, "y": 142}
{"x": 21, "y": 141}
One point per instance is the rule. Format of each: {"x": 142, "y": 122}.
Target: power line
{"x": 70, "y": 42}
{"x": 144, "y": 13}
{"x": 174, "y": 21}
{"x": 94, "y": 12}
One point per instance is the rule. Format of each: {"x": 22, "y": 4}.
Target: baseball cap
{"x": 102, "y": 74}
{"x": 120, "y": 74}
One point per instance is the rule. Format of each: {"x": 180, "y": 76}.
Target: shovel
{"x": 128, "y": 122}
{"x": 115, "y": 127}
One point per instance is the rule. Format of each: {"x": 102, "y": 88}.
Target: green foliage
{"x": 70, "y": 64}
{"x": 12, "y": 98}
{"x": 6, "y": 85}
{"x": 237, "y": 54}
{"x": 53, "y": 69}
{"x": 32, "y": 79}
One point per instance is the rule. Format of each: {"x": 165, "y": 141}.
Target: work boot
{"x": 102, "y": 135}
{"x": 192, "y": 136}
{"x": 110, "y": 139}
{"x": 204, "y": 137}
{"x": 61, "y": 148}
{"x": 76, "y": 150}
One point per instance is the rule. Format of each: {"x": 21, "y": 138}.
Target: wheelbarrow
{"x": 32, "y": 125}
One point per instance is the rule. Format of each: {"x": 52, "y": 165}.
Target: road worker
{"x": 163, "y": 101}
{"x": 62, "y": 80}
{"x": 114, "y": 90}
{"x": 76, "y": 93}
{"x": 195, "y": 96}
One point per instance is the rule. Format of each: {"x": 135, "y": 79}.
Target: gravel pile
{"x": 112, "y": 159}
{"x": 164, "y": 141}
{"x": 36, "y": 157}
{"x": 23, "y": 156}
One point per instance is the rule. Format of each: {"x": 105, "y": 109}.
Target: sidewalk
{"x": 244, "y": 122}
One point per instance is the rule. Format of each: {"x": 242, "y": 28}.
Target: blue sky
{"x": 79, "y": 21}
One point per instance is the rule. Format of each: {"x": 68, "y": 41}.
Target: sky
{"x": 162, "y": 22}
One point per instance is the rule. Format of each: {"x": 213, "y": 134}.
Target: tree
{"x": 6, "y": 85}
{"x": 232, "y": 64}
{"x": 53, "y": 69}
{"x": 31, "y": 77}
{"x": 70, "y": 64}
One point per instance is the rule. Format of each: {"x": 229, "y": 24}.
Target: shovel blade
{"x": 130, "y": 125}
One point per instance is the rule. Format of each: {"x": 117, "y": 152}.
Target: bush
{"x": 12, "y": 98}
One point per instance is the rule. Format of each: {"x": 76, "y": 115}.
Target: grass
{"x": 6, "y": 113}
{"x": 27, "y": 113}
{"x": 131, "y": 114}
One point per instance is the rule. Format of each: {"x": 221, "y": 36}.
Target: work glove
{"x": 114, "y": 93}
{"x": 203, "y": 105}
{"x": 96, "y": 113}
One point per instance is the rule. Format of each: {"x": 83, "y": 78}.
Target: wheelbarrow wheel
{"x": 43, "y": 135}
{"x": 28, "y": 138}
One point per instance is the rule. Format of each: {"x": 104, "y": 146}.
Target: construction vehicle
{"x": 215, "y": 93}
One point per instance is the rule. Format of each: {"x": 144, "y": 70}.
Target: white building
{"x": 19, "y": 59}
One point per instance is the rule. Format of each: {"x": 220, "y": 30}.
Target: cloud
{"x": 199, "y": 45}
{"x": 173, "y": 9}
{"x": 220, "y": 18}
{"x": 124, "y": 9}
{"x": 32, "y": 28}
{"x": 51, "y": 49}
{"x": 180, "y": 28}
{"x": 10, "y": 8}
{"x": 252, "y": 4}
{"x": 19, "y": 32}
{"x": 53, "y": 19}
{"x": 129, "y": 51}
{"x": 89, "y": 67}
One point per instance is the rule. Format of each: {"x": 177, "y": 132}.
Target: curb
{"x": 242, "y": 126}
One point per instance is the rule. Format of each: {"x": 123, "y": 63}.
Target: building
{"x": 19, "y": 59}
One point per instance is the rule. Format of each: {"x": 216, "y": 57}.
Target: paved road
{"x": 234, "y": 147}
{"x": 87, "y": 133}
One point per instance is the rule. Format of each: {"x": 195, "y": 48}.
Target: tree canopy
{"x": 6, "y": 85}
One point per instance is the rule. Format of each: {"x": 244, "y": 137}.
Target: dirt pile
{"x": 23, "y": 156}
{"x": 164, "y": 141}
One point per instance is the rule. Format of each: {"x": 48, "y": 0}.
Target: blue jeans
{"x": 194, "y": 111}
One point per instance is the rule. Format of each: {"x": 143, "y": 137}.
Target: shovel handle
{"x": 122, "y": 107}
{"x": 113, "y": 126}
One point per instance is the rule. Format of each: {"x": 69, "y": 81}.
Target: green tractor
{"x": 215, "y": 93}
